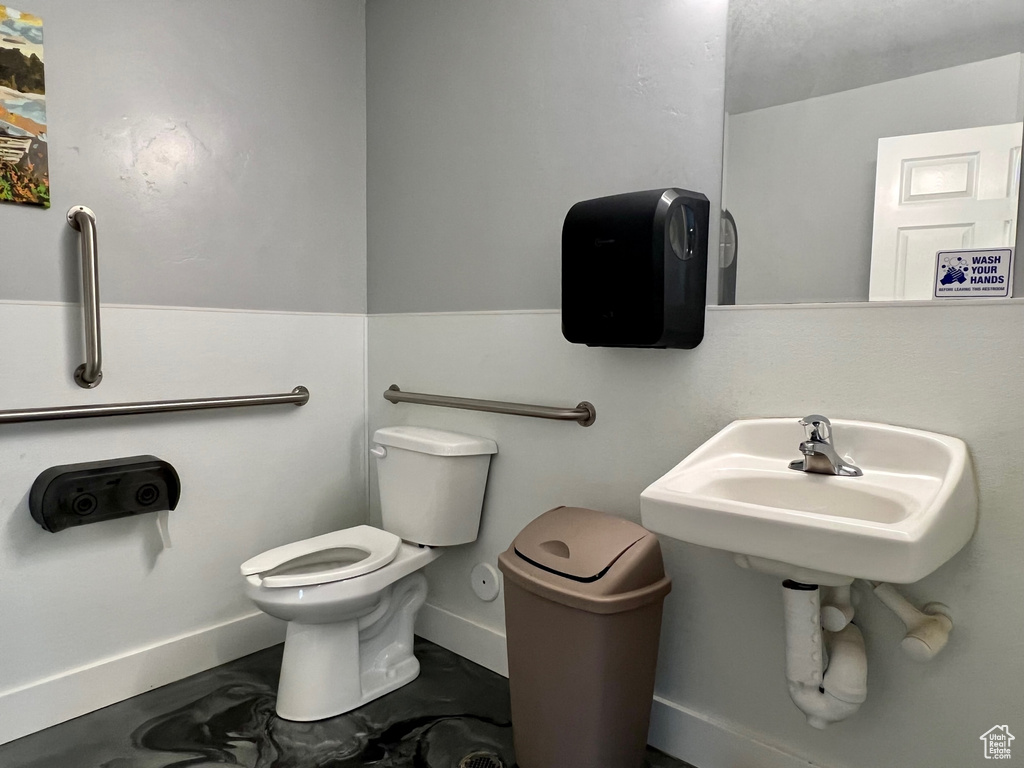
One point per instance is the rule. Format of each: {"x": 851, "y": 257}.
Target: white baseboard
{"x": 697, "y": 738}
{"x": 40, "y": 704}
{"x": 710, "y": 742}
{"x": 472, "y": 641}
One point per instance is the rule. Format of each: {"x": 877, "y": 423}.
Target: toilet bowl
{"x": 350, "y": 597}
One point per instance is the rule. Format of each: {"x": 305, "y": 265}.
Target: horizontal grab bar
{"x": 298, "y": 396}
{"x": 583, "y": 414}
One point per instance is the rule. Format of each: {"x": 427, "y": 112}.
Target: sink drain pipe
{"x": 826, "y": 671}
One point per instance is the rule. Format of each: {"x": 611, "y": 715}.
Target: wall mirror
{"x": 861, "y": 139}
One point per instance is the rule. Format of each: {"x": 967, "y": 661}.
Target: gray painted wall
{"x": 222, "y": 146}
{"x": 800, "y": 178}
{"x": 487, "y": 121}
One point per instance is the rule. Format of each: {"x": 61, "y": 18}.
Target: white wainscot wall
{"x": 721, "y": 698}
{"x": 96, "y": 614}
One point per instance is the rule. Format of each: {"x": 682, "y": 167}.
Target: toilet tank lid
{"x": 436, "y": 442}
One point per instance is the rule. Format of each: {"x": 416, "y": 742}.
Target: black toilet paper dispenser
{"x": 77, "y": 494}
{"x": 634, "y": 270}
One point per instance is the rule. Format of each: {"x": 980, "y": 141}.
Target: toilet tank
{"x": 432, "y": 483}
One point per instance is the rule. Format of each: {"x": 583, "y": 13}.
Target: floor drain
{"x": 481, "y": 760}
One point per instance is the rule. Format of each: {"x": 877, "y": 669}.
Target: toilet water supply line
{"x": 827, "y": 670}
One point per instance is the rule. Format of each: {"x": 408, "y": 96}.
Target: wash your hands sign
{"x": 966, "y": 274}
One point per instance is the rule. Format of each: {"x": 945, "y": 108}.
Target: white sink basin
{"x": 914, "y": 507}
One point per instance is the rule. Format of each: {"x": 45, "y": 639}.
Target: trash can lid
{"x": 579, "y": 544}
{"x": 587, "y": 560}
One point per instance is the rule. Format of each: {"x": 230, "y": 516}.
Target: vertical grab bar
{"x": 89, "y": 373}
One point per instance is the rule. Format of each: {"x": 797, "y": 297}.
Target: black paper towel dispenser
{"x": 78, "y": 494}
{"x": 634, "y": 270}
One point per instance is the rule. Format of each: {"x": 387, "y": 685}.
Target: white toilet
{"x": 350, "y": 597}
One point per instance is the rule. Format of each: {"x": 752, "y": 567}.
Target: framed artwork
{"x": 24, "y": 168}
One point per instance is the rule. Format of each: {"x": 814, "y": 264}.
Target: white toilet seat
{"x": 334, "y": 556}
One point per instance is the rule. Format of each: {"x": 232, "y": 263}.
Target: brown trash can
{"x": 583, "y": 596}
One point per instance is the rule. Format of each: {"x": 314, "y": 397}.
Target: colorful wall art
{"x": 24, "y": 169}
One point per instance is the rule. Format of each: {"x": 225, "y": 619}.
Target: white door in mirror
{"x": 941, "y": 191}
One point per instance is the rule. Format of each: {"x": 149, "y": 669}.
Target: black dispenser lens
{"x": 84, "y": 504}
{"x": 682, "y": 233}
{"x": 147, "y": 494}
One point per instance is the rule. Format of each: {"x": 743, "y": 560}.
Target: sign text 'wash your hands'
{"x": 987, "y": 272}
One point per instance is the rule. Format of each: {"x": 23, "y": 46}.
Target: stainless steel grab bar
{"x": 583, "y": 414}
{"x": 90, "y": 373}
{"x": 298, "y": 396}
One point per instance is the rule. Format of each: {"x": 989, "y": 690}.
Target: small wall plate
{"x": 76, "y": 209}
{"x": 485, "y": 581}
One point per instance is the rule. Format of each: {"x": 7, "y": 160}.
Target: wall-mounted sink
{"x": 914, "y": 507}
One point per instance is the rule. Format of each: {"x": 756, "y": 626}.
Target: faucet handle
{"x": 819, "y": 428}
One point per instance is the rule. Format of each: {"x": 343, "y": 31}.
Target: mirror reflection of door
{"x": 811, "y": 87}
{"x": 941, "y": 191}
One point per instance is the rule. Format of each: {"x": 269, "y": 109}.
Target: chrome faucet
{"x": 820, "y": 455}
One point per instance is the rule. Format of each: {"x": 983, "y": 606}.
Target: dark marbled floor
{"x": 225, "y": 716}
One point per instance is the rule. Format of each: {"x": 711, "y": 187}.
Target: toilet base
{"x": 330, "y": 669}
